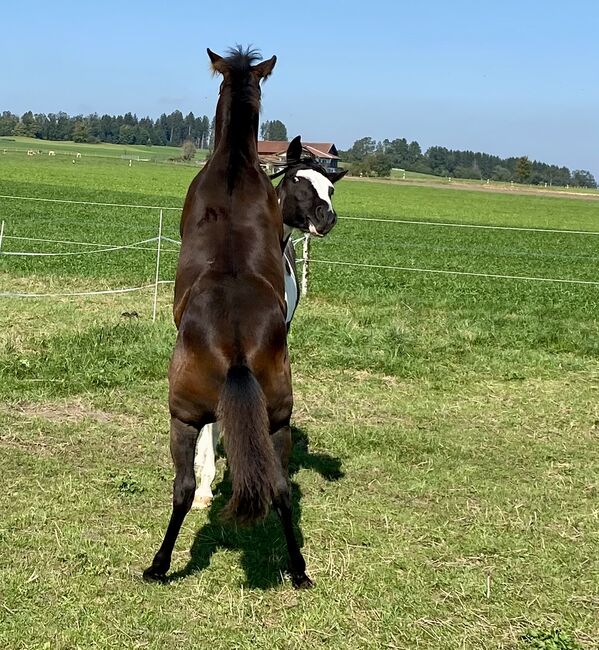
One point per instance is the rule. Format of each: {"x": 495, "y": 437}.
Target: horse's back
{"x": 229, "y": 320}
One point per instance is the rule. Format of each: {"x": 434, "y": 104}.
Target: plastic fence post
{"x": 157, "y": 269}
{"x": 305, "y": 261}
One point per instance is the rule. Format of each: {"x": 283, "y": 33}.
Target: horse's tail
{"x": 250, "y": 452}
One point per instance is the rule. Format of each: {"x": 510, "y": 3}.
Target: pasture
{"x": 446, "y": 426}
{"x": 21, "y": 145}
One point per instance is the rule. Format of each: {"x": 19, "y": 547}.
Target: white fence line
{"x": 106, "y": 248}
{"x": 412, "y": 222}
{"x": 446, "y": 224}
{"x": 305, "y": 260}
{"x": 94, "y": 203}
{"x": 156, "y": 279}
{"x": 134, "y": 246}
{"x": 102, "y": 292}
{"x": 447, "y": 272}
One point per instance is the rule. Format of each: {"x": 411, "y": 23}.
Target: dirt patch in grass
{"x": 71, "y": 411}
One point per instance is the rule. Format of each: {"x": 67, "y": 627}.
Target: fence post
{"x": 1, "y": 235}
{"x": 305, "y": 260}
{"x": 157, "y": 269}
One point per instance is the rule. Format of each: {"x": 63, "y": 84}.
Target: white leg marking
{"x": 205, "y": 465}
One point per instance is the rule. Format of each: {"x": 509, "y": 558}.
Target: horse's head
{"x": 306, "y": 193}
{"x": 240, "y": 86}
{"x": 239, "y": 66}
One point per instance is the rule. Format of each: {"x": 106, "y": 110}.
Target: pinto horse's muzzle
{"x": 323, "y": 221}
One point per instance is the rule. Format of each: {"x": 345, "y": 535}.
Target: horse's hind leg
{"x": 183, "y": 442}
{"x": 282, "y": 502}
{"x": 205, "y": 465}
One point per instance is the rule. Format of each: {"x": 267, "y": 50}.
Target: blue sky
{"x": 510, "y": 78}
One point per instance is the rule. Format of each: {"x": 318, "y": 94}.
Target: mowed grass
{"x": 10, "y": 145}
{"x": 445, "y": 466}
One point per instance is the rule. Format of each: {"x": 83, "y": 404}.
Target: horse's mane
{"x": 245, "y": 103}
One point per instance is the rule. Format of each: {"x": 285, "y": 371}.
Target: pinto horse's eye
{"x": 295, "y": 179}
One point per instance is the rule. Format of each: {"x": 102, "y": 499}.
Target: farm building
{"x": 273, "y": 153}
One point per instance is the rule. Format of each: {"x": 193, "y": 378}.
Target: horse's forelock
{"x": 240, "y": 60}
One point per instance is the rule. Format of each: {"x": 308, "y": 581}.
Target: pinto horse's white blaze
{"x": 320, "y": 183}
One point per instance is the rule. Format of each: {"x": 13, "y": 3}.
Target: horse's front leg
{"x": 205, "y": 465}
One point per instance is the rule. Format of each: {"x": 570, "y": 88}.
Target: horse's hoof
{"x": 201, "y": 503}
{"x": 302, "y": 581}
{"x": 154, "y": 574}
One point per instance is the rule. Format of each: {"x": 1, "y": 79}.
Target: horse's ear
{"x": 337, "y": 176}
{"x": 218, "y": 63}
{"x": 264, "y": 69}
{"x": 294, "y": 150}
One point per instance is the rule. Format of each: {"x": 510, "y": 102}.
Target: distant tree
{"x": 523, "y": 169}
{"x": 380, "y": 163}
{"x": 461, "y": 171}
{"x": 176, "y": 128}
{"x": 63, "y": 126}
{"x": 28, "y": 127}
{"x": 360, "y": 149}
{"x": 438, "y": 160}
{"x": 80, "y": 132}
{"x": 273, "y": 130}
{"x": 188, "y": 150}
{"x": 189, "y": 122}
{"x": 414, "y": 154}
{"x": 398, "y": 150}
{"x": 361, "y": 167}
{"x": 212, "y": 134}
{"x": 583, "y": 178}
{"x": 8, "y": 121}
{"x": 205, "y": 132}
{"x": 201, "y": 131}
{"x": 501, "y": 174}
{"x": 20, "y": 130}
{"x": 126, "y": 134}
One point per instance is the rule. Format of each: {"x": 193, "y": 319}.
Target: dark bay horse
{"x": 305, "y": 196}
{"x": 230, "y": 361}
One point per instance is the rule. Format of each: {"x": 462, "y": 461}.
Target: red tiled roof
{"x": 319, "y": 149}
{"x": 272, "y": 146}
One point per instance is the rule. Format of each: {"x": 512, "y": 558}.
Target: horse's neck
{"x": 236, "y": 127}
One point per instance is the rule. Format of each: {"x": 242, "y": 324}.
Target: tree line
{"x": 173, "y": 129}
{"x": 368, "y": 157}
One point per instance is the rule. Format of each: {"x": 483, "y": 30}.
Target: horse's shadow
{"x": 264, "y": 552}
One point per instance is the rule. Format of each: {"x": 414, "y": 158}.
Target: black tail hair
{"x": 250, "y": 452}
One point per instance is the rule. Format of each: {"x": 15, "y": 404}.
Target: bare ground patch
{"x": 71, "y": 411}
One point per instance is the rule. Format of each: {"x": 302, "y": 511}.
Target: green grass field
{"x": 446, "y": 460}
{"x": 416, "y": 177}
{"x": 19, "y": 145}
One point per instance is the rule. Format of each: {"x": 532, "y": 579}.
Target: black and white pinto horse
{"x": 305, "y": 196}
